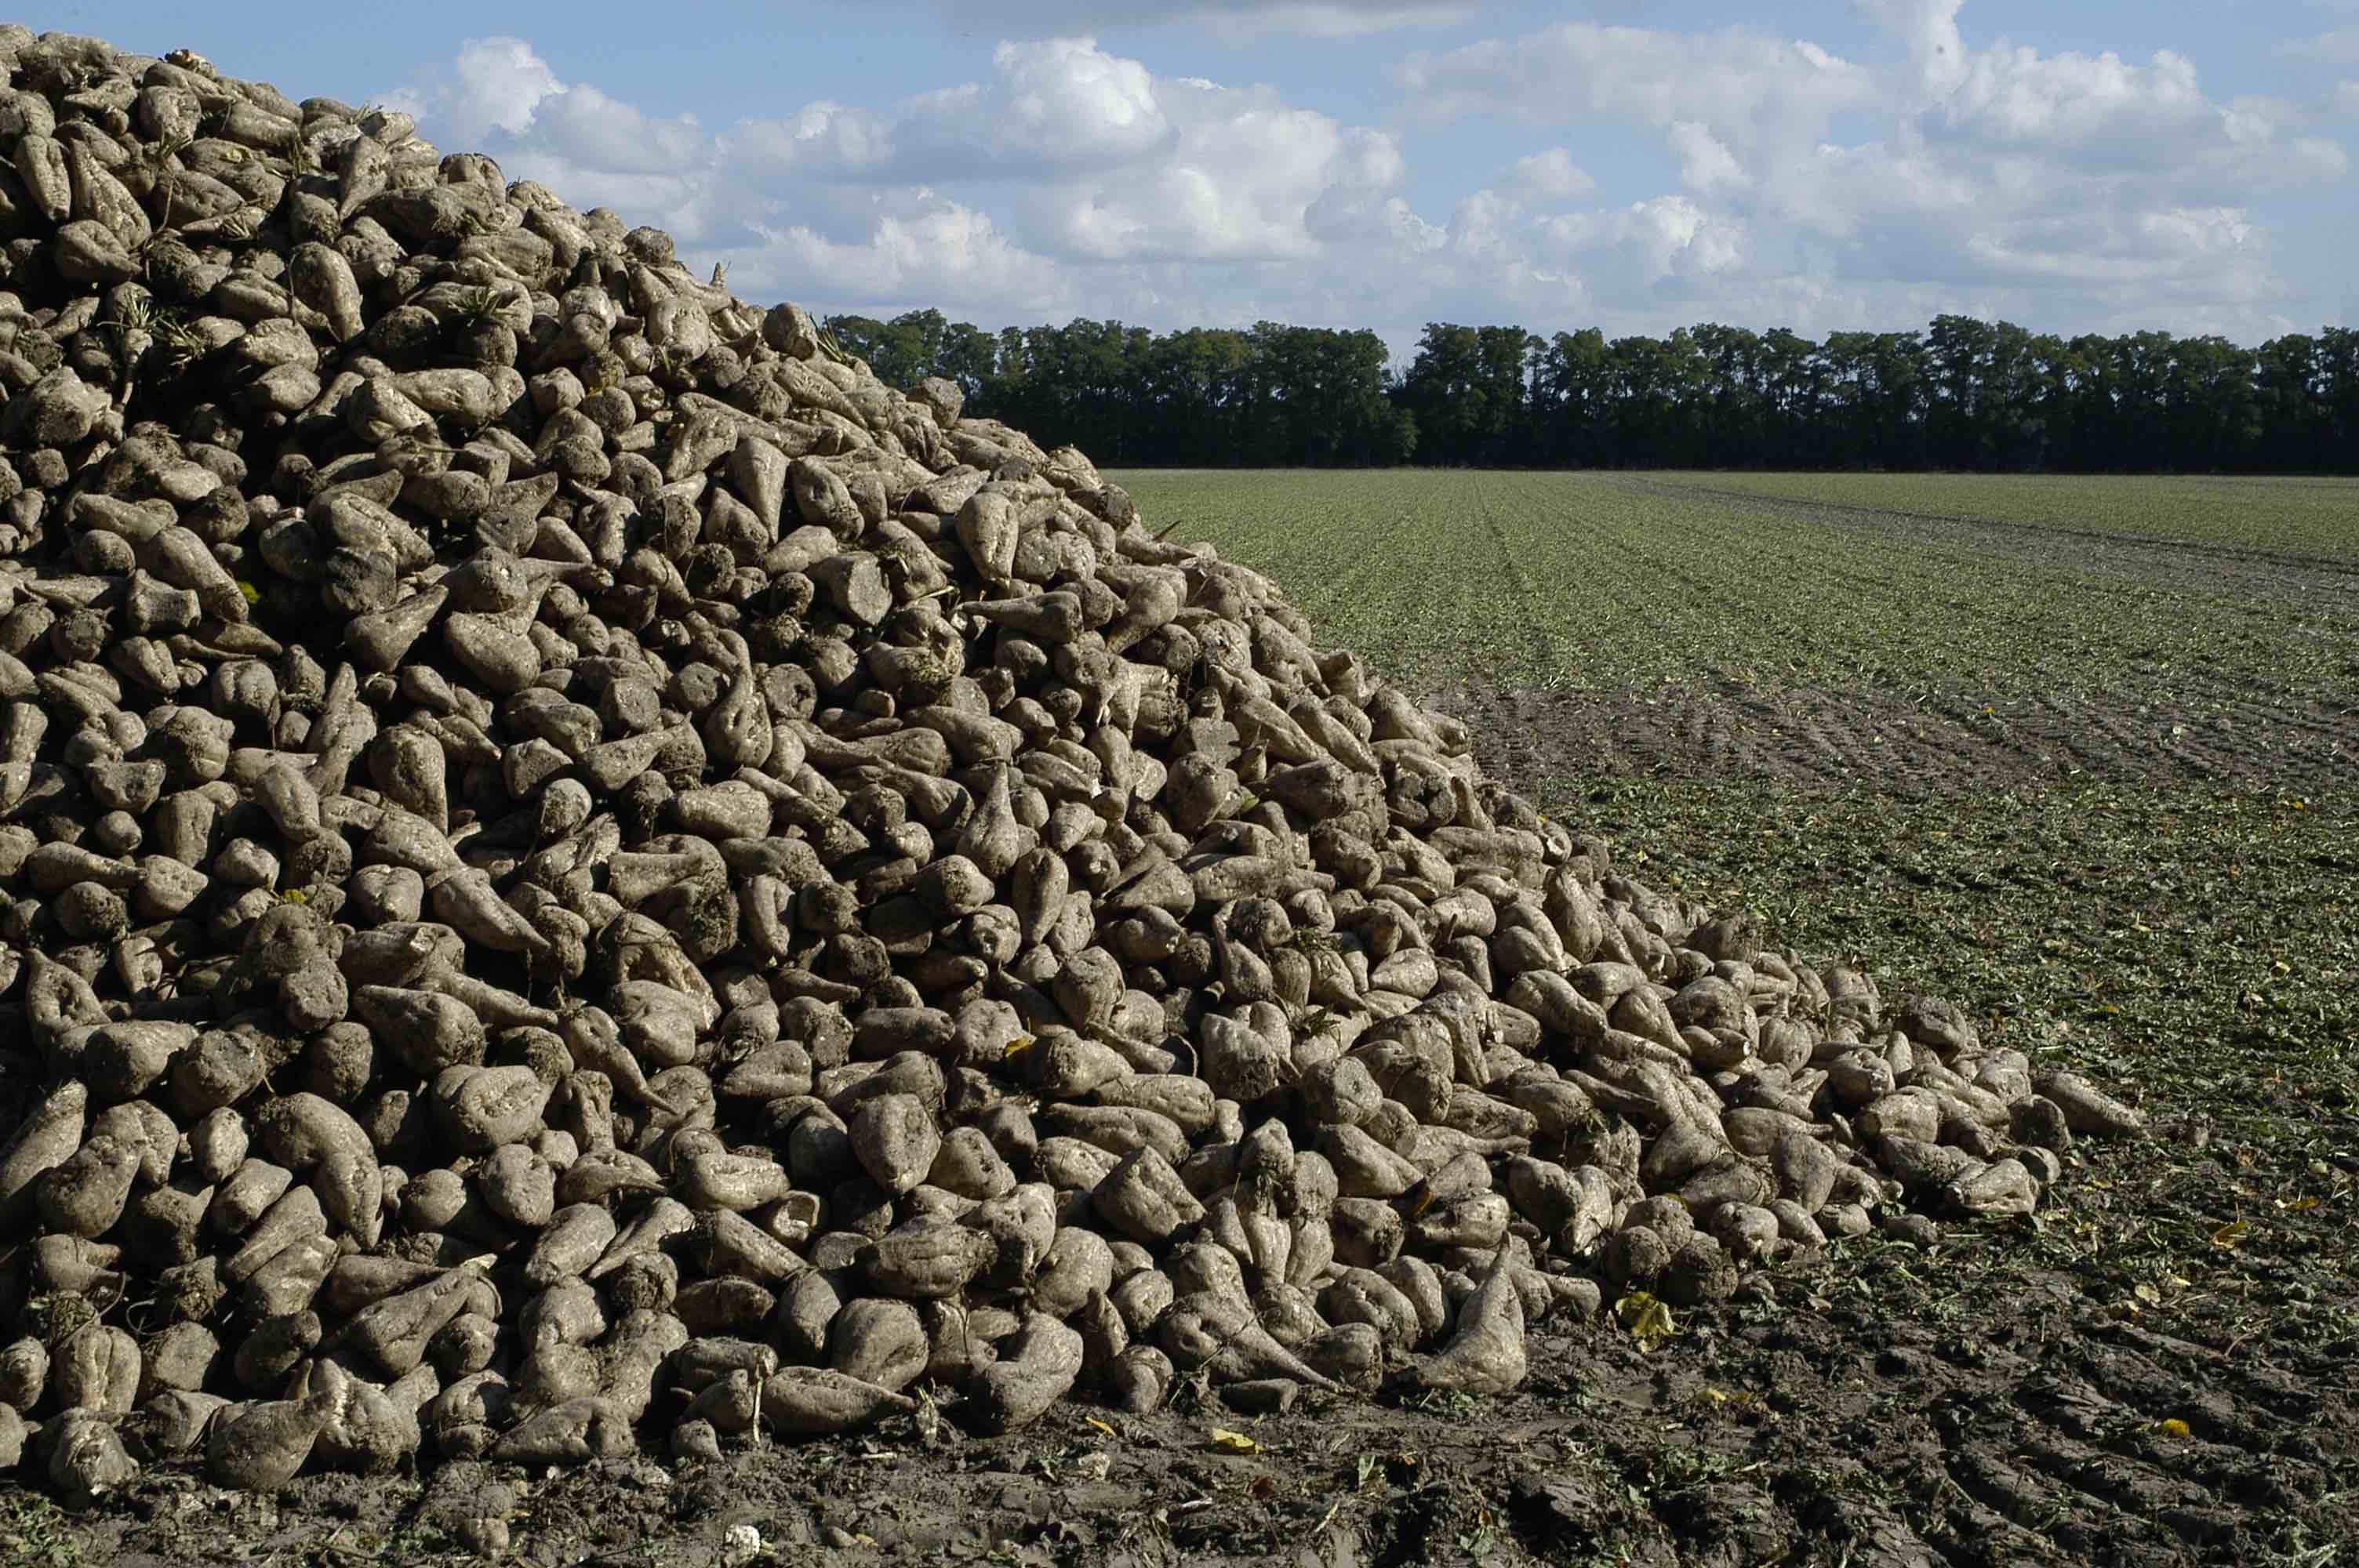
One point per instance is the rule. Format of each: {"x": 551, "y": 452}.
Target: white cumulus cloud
{"x": 1236, "y": 19}
{"x": 2066, "y": 183}
{"x": 1657, "y": 238}
{"x": 495, "y": 84}
{"x": 1550, "y": 176}
{"x": 1934, "y": 171}
{"x": 1705, "y": 163}
{"x": 1065, "y": 100}
{"x": 1730, "y": 79}
{"x": 935, "y": 249}
{"x": 1063, "y": 176}
{"x": 821, "y": 138}
{"x": 499, "y": 94}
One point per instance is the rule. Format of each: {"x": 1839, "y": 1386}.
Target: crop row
{"x": 1585, "y": 580}
{"x": 2311, "y": 516}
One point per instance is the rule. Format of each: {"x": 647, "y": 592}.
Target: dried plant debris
{"x": 578, "y": 869}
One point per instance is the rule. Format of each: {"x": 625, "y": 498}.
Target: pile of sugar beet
{"x": 577, "y": 870}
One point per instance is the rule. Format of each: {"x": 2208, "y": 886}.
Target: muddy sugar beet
{"x": 580, "y": 872}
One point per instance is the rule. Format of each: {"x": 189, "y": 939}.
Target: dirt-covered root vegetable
{"x": 818, "y": 1401}
{"x": 573, "y": 1433}
{"x": 1485, "y": 1352}
{"x": 1219, "y": 1330}
{"x": 260, "y": 1447}
{"x": 575, "y": 1236}
{"x": 85, "y": 1194}
{"x": 98, "y": 1368}
{"x": 175, "y": 1422}
{"x": 1143, "y": 1199}
{"x": 730, "y": 1404}
{"x": 925, "y": 1258}
{"x": 1035, "y": 1368}
{"x": 717, "y": 1180}
{"x": 1997, "y": 1190}
{"x": 879, "y": 1341}
{"x": 274, "y": 1348}
{"x": 396, "y": 1331}
{"x": 1353, "y": 1355}
{"x": 1139, "y": 1379}
{"x": 895, "y": 1139}
{"x": 2087, "y": 1109}
{"x": 371, "y": 1430}
{"x": 47, "y": 1137}
{"x": 87, "y": 1459}
{"x": 695, "y": 1439}
{"x": 24, "y": 1373}
{"x": 304, "y": 1132}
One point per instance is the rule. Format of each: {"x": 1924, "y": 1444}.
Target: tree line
{"x": 1963, "y": 394}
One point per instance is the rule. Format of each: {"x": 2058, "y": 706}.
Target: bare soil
{"x": 2195, "y": 728}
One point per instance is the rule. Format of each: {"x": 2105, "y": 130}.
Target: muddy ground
{"x": 2205, "y": 729}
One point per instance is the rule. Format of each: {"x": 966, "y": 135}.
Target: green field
{"x": 2317, "y": 515}
{"x": 1603, "y": 581}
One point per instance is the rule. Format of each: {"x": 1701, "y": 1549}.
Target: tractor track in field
{"x": 2197, "y": 729}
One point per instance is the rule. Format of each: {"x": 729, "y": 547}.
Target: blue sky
{"x": 1631, "y": 163}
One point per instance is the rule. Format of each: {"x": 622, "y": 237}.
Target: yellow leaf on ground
{"x": 2174, "y": 1427}
{"x": 1648, "y": 1320}
{"x": 2231, "y": 1235}
{"x": 1234, "y": 1442}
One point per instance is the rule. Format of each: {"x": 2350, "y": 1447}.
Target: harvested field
{"x": 1923, "y": 634}
{"x": 2289, "y": 514}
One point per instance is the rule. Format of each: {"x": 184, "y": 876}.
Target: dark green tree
{"x": 1964, "y": 393}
